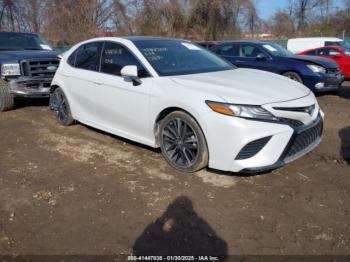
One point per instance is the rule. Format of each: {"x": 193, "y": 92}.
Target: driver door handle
{"x": 97, "y": 82}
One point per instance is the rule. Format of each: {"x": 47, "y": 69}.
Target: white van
{"x": 298, "y": 45}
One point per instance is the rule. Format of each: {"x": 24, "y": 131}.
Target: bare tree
{"x": 282, "y": 25}
{"x": 121, "y": 18}
{"x": 8, "y": 14}
{"x": 301, "y": 9}
{"x": 70, "y": 21}
{"x": 252, "y": 18}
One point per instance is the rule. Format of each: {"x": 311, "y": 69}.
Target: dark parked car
{"x": 28, "y": 65}
{"x": 317, "y": 73}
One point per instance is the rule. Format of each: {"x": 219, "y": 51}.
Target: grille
{"x": 305, "y": 139}
{"x": 333, "y": 71}
{"x": 252, "y": 148}
{"x": 292, "y": 122}
{"x": 305, "y": 109}
{"x": 40, "y": 67}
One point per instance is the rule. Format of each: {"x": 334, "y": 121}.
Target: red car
{"x": 339, "y": 54}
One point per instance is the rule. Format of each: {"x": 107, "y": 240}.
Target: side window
{"x": 88, "y": 56}
{"x": 329, "y": 52}
{"x": 250, "y": 51}
{"x": 228, "y": 50}
{"x": 116, "y": 56}
{"x": 312, "y": 52}
{"x": 324, "y": 52}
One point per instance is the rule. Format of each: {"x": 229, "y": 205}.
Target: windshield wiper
{"x": 33, "y": 48}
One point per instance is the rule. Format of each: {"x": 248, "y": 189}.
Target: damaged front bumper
{"x": 30, "y": 87}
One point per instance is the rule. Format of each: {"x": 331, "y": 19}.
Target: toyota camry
{"x": 199, "y": 109}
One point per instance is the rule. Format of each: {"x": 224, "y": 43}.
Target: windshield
{"x": 276, "y": 49}
{"x": 339, "y": 43}
{"x": 171, "y": 57}
{"x": 346, "y": 51}
{"x": 11, "y": 42}
{"x": 345, "y": 46}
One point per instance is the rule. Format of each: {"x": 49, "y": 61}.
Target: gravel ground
{"x": 75, "y": 190}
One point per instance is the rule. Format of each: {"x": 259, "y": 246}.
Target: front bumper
{"x": 295, "y": 148}
{"x": 324, "y": 82}
{"x": 228, "y": 136}
{"x": 30, "y": 87}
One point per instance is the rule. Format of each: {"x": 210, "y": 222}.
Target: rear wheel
{"x": 6, "y": 98}
{"x": 183, "y": 143}
{"x": 59, "y": 104}
{"x": 294, "y": 76}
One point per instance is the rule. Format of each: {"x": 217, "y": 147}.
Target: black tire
{"x": 6, "y": 98}
{"x": 59, "y": 104}
{"x": 293, "y": 76}
{"x": 183, "y": 143}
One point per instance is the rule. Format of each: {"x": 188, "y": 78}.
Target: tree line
{"x": 65, "y": 22}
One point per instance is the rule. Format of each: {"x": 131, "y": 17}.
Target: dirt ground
{"x": 75, "y": 190}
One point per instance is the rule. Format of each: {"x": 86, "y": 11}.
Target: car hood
{"x": 15, "y": 56}
{"x": 245, "y": 86}
{"x": 325, "y": 62}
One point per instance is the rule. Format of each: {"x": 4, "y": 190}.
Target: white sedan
{"x": 199, "y": 109}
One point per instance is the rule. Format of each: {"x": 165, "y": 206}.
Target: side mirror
{"x": 130, "y": 71}
{"x": 261, "y": 57}
{"x": 60, "y": 56}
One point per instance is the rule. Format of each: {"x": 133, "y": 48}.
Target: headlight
{"x": 10, "y": 70}
{"x": 317, "y": 69}
{"x": 244, "y": 111}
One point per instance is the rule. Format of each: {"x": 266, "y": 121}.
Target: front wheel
{"x": 183, "y": 143}
{"x": 59, "y": 104}
{"x": 294, "y": 76}
{"x": 6, "y": 98}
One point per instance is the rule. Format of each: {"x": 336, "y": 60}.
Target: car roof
{"x": 129, "y": 39}
{"x": 149, "y": 38}
{"x": 332, "y": 39}
{"x": 259, "y": 42}
{"x": 323, "y": 47}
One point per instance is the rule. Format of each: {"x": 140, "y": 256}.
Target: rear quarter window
{"x": 228, "y": 50}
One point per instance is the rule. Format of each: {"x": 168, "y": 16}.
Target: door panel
{"x": 80, "y": 93}
{"x": 249, "y": 53}
{"x": 230, "y": 52}
{"x": 122, "y": 107}
{"x": 79, "y": 77}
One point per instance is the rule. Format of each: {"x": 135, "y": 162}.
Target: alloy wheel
{"x": 59, "y": 105}
{"x": 180, "y": 143}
